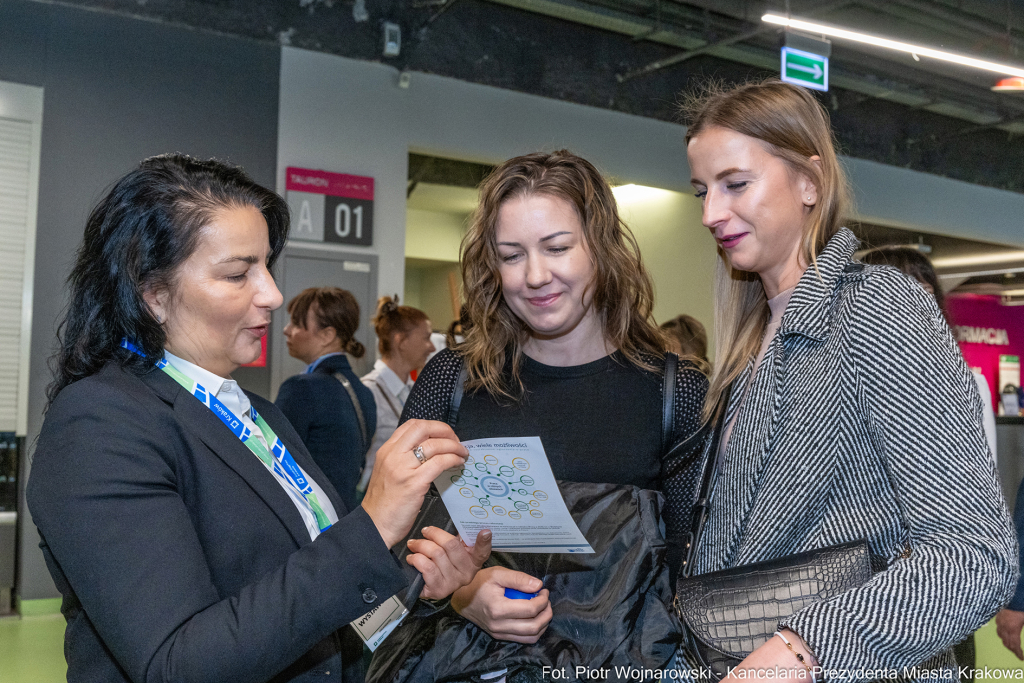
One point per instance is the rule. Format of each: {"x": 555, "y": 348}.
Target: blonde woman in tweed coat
{"x": 829, "y": 434}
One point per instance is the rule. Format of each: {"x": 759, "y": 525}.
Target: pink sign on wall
{"x": 325, "y": 182}
{"x": 330, "y": 207}
{"x": 985, "y": 330}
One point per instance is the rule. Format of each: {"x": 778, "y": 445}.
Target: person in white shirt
{"x": 403, "y": 334}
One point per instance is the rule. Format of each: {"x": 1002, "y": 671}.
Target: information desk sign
{"x": 805, "y": 68}
{"x": 330, "y": 207}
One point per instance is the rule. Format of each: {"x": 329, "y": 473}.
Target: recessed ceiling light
{"x": 915, "y": 50}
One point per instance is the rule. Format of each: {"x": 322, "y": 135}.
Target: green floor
{"x": 31, "y": 650}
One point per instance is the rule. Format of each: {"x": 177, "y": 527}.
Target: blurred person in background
{"x": 333, "y": 412}
{"x": 403, "y": 339}
{"x": 1010, "y": 620}
{"x": 686, "y": 337}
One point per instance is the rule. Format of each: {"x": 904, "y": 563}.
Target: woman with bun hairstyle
{"x": 403, "y": 339}
{"x": 825, "y": 376}
{"x": 561, "y": 346}
{"x": 318, "y": 402}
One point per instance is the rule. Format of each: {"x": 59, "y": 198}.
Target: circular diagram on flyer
{"x": 492, "y": 486}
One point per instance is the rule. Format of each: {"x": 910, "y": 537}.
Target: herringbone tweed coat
{"x": 864, "y": 422}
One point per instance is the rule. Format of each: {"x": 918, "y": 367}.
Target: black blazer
{"x": 321, "y": 411}
{"x": 178, "y": 555}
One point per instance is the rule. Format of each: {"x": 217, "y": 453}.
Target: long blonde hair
{"x": 623, "y": 291}
{"x": 794, "y": 127}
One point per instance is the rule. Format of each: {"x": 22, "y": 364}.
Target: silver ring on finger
{"x": 418, "y": 452}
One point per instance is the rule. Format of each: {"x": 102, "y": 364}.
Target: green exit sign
{"x": 805, "y": 68}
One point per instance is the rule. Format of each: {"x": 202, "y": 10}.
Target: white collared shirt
{"x": 234, "y": 399}
{"x": 392, "y": 381}
{"x": 390, "y": 394}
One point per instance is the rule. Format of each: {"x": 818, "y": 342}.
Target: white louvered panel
{"x": 15, "y": 165}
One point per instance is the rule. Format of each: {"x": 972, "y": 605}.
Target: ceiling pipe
{"x": 681, "y": 57}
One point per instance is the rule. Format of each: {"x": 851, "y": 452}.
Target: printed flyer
{"x": 506, "y": 485}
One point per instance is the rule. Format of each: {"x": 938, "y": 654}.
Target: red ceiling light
{"x": 1014, "y": 83}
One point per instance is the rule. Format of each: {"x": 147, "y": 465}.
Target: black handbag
{"x": 612, "y": 609}
{"x": 728, "y": 614}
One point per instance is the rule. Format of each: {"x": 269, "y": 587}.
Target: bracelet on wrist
{"x": 799, "y": 656}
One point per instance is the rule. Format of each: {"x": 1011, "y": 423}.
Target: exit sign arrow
{"x": 805, "y": 68}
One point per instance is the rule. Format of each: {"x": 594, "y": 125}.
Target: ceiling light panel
{"x": 918, "y": 50}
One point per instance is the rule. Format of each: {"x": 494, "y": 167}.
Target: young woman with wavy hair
{"x": 561, "y": 346}
{"x": 826, "y": 437}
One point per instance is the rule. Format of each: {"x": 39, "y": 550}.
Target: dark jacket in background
{"x": 321, "y": 411}
{"x": 178, "y": 554}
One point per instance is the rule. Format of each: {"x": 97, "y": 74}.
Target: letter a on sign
{"x": 305, "y": 224}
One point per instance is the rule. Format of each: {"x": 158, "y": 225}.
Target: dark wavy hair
{"x": 333, "y": 307}
{"x": 909, "y": 261}
{"x": 136, "y": 238}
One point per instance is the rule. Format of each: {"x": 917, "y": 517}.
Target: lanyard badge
{"x": 278, "y": 458}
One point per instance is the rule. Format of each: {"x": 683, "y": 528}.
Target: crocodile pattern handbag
{"x": 728, "y": 614}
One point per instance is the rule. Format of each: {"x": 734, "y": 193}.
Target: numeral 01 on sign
{"x": 343, "y": 221}
{"x": 349, "y": 221}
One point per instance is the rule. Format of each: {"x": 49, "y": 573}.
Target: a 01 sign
{"x": 330, "y": 207}
{"x": 348, "y": 221}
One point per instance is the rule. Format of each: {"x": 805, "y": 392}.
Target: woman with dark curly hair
{"x": 190, "y": 533}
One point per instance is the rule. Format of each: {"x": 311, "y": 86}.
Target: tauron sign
{"x": 330, "y": 207}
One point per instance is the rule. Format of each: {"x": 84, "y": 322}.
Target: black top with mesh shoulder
{"x": 599, "y": 422}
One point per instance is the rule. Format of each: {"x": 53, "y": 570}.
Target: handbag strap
{"x": 668, "y": 408}
{"x": 702, "y": 508}
{"x": 413, "y": 592}
{"x": 460, "y": 388}
{"x": 355, "y": 404}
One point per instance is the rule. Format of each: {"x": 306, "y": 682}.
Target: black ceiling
{"x": 885, "y": 108}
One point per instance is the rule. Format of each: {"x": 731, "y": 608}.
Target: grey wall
{"x": 351, "y": 116}
{"x": 117, "y": 90}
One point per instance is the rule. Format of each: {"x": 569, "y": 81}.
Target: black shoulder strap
{"x": 457, "y": 391}
{"x": 668, "y": 416}
{"x": 702, "y": 507}
{"x": 355, "y": 404}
